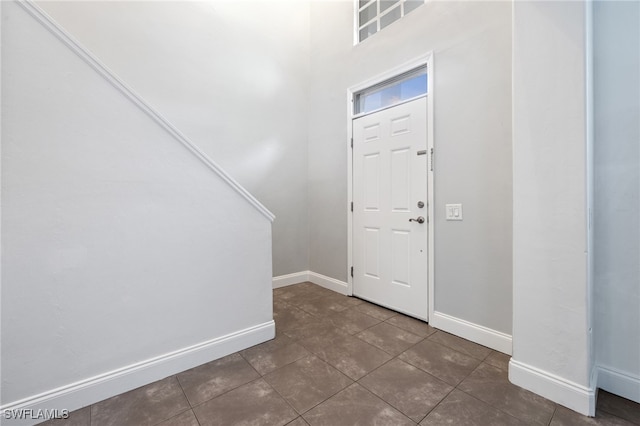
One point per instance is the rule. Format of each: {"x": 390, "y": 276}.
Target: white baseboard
{"x": 318, "y": 279}
{"x": 290, "y": 279}
{"x": 329, "y": 283}
{"x": 476, "y": 333}
{"x": 618, "y": 383}
{"x": 81, "y": 394}
{"x": 564, "y": 392}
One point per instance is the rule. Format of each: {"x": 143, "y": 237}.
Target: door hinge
{"x": 431, "y": 159}
{"x": 352, "y": 272}
{"x": 352, "y": 206}
{"x": 351, "y": 142}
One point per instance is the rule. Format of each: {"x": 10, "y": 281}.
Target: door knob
{"x": 420, "y": 219}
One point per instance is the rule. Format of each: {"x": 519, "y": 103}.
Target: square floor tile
{"x": 389, "y": 338}
{"x": 216, "y": 377}
{"x": 461, "y": 409}
{"x": 184, "y": 419}
{"x": 255, "y": 403}
{"x": 352, "y": 321}
{"x": 619, "y": 407}
{"x": 406, "y": 388}
{"x": 274, "y": 354}
{"x": 307, "y": 382}
{"x": 492, "y": 386}
{"x": 412, "y": 325}
{"x": 461, "y": 345}
{"x": 355, "y": 406}
{"x": 375, "y": 311}
{"x": 440, "y": 361}
{"x": 147, "y": 405}
{"x": 347, "y": 353}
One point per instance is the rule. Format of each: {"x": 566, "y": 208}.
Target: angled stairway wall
{"x": 126, "y": 256}
{"x": 232, "y": 75}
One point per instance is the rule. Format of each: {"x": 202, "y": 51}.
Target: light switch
{"x": 454, "y": 211}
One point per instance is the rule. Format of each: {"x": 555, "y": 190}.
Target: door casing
{"x": 423, "y": 60}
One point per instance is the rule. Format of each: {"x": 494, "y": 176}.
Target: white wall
{"x": 617, "y": 196}
{"x": 118, "y": 244}
{"x": 471, "y": 42}
{"x": 551, "y": 328}
{"x": 232, "y": 76}
{"x": 240, "y": 81}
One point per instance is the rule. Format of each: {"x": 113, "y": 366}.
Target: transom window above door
{"x": 374, "y": 15}
{"x": 400, "y": 89}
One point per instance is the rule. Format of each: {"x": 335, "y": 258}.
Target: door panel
{"x": 400, "y": 183}
{"x": 371, "y": 252}
{"x": 389, "y": 179}
{"x": 371, "y": 183}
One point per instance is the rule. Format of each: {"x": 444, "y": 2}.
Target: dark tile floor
{"x": 336, "y": 361}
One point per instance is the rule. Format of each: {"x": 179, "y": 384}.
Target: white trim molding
{"x": 83, "y": 393}
{"x": 564, "y": 392}
{"x": 329, "y": 283}
{"x": 618, "y": 383}
{"x": 476, "y": 333}
{"x": 290, "y": 279}
{"x": 313, "y": 277}
{"x": 41, "y": 16}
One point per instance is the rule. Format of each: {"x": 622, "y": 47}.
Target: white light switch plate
{"x": 454, "y": 211}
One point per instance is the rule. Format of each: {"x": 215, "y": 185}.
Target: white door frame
{"x": 424, "y": 60}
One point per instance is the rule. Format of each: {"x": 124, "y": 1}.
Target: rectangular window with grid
{"x": 374, "y": 15}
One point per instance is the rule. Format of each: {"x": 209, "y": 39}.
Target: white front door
{"x": 390, "y": 259}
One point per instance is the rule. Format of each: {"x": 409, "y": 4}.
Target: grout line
{"x": 224, "y": 393}
{"x": 186, "y": 399}
{"x": 327, "y": 398}
{"x": 380, "y": 397}
{"x": 284, "y": 399}
{"x": 299, "y": 417}
{"x": 555, "y": 409}
{"x": 182, "y": 389}
{"x": 439, "y": 402}
{"x": 393, "y": 355}
{"x": 176, "y": 415}
{"x": 495, "y": 408}
{"x": 251, "y": 365}
{"x": 457, "y": 350}
{"x": 386, "y": 402}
